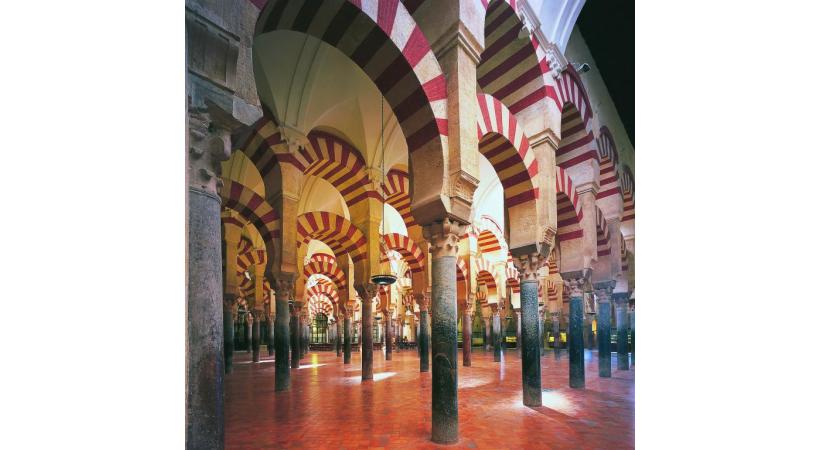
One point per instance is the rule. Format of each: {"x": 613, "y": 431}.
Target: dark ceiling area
{"x": 608, "y": 27}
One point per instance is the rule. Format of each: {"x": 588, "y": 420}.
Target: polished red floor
{"x": 328, "y": 406}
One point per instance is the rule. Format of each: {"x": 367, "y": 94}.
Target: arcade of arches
{"x": 453, "y": 144}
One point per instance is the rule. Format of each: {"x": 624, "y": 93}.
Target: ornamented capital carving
{"x": 528, "y": 265}
{"x": 549, "y": 238}
{"x": 443, "y": 237}
{"x": 209, "y": 144}
{"x": 293, "y": 138}
{"x": 462, "y": 188}
{"x": 284, "y": 285}
{"x": 469, "y": 307}
{"x": 423, "y": 301}
{"x": 575, "y": 287}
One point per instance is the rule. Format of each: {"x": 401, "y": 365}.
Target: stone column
{"x": 443, "y": 237}
{"x": 527, "y": 266}
{"x": 305, "y": 345}
{"x": 621, "y": 304}
{"x": 246, "y": 332}
{"x": 541, "y": 313}
{"x": 397, "y": 334}
{"x": 254, "y": 323}
{"x": 295, "y": 350}
{"x": 388, "y": 335}
{"x": 367, "y": 293}
{"x": 209, "y": 143}
{"x": 486, "y": 333}
{"x": 228, "y": 326}
{"x": 556, "y": 332}
{"x": 281, "y": 337}
{"x": 576, "y": 333}
{"x": 467, "y": 331}
{"x": 424, "y": 332}
{"x": 271, "y": 335}
{"x": 632, "y": 330}
{"x": 496, "y": 332}
{"x": 347, "y": 330}
{"x": 518, "y": 344}
{"x": 339, "y": 334}
{"x": 604, "y": 324}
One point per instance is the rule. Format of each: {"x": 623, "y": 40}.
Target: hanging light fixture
{"x": 385, "y": 276}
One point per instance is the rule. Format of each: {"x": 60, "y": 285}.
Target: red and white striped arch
{"x": 337, "y": 161}
{"x": 488, "y": 242}
{"x": 512, "y": 69}
{"x": 397, "y": 191}
{"x": 490, "y": 237}
{"x": 624, "y": 254}
{"x": 408, "y": 249}
{"x": 502, "y": 141}
{"x": 246, "y": 286}
{"x": 319, "y": 304}
{"x": 577, "y": 140}
{"x": 323, "y": 288}
{"x": 233, "y": 222}
{"x": 382, "y": 38}
{"x": 324, "y": 264}
{"x": 602, "y": 232}
{"x": 552, "y": 263}
{"x": 569, "y": 207}
{"x": 512, "y": 278}
{"x": 485, "y": 274}
{"x": 326, "y": 156}
{"x": 552, "y": 290}
{"x": 628, "y": 189}
{"x": 253, "y": 208}
{"x": 608, "y": 154}
{"x": 461, "y": 269}
{"x": 249, "y": 256}
{"x": 335, "y": 231}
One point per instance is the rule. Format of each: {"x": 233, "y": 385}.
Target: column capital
{"x": 284, "y": 282}
{"x": 423, "y": 301}
{"x": 469, "y": 307}
{"x": 443, "y": 237}
{"x": 209, "y": 144}
{"x": 528, "y": 265}
{"x": 620, "y": 298}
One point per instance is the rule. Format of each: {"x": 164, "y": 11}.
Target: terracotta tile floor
{"x": 329, "y": 407}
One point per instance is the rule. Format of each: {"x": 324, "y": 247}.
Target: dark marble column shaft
{"x": 305, "y": 333}
{"x": 347, "y": 338}
{"x": 623, "y": 335}
{"x": 531, "y": 348}
{"x": 445, "y": 350}
{"x": 339, "y": 336}
{"x": 604, "y": 338}
{"x": 246, "y": 333}
{"x": 228, "y": 326}
{"x": 271, "y": 335}
{"x": 576, "y": 341}
{"x": 255, "y": 343}
{"x": 367, "y": 336}
{"x": 205, "y": 358}
{"x": 497, "y": 336}
{"x": 281, "y": 342}
{"x": 518, "y": 344}
{"x": 388, "y": 338}
{"x": 424, "y": 341}
{"x": 295, "y": 350}
{"x": 487, "y": 329}
{"x": 556, "y": 332}
{"x": 467, "y": 338}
